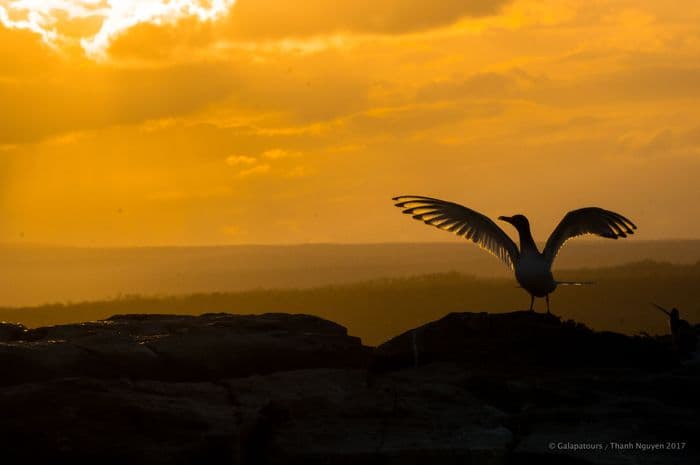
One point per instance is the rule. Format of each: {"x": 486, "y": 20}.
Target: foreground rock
{"x": 520, "y": 342}
{"x": 300, "y": 417}
{"x": 178, "y": 348}
{"x": 451, "y": 407}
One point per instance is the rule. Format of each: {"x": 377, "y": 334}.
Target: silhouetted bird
{"x": 533, "y": 269}
{"x": 683, "y": 334}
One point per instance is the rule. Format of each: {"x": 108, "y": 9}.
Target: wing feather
{"x": 591, "y": 220}
{"x": 462, "y": 221}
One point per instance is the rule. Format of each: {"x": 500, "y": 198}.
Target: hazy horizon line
{"x": 462, "y": 275}
{"x": 11, "y": 244}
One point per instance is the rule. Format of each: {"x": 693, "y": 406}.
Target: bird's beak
{"x": 507, "y": 219}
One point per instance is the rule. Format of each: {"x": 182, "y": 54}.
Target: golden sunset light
{"x": 281, "y": 232}
{"x": 279, "y": 121}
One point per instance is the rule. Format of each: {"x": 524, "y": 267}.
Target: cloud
{"x": 276, "y": 154}
{"x": 254, "y": 171}
{"x": 634, "y": 83}
{"x": 479, "y": 86}
{"x": 663, "y": 142}
{"x": 255, "y": 19}
{"x": 93, "y": 97}
{"x": 255, "y": 23}
{"x": 63, "y": 94}
{"x": 181, "y": 107}
{"x": 297, "y": 172}
{"x": 97, "y": 23}
{"x": 237, "y": 160}
{"x": 22, "y": 53}
{"x": 416, "y": 119}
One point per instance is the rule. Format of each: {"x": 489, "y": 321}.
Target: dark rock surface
{"x": 11, "y": 332}
{"x": 519, "y": 341}
{"x": 293, "y": 389}
{"x": 180, "y": 348}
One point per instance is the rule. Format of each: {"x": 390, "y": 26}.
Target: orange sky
{"x": 280, "y": 121}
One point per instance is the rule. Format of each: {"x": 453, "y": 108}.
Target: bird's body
{"x": 534, "y": 274}
{"x": 684, "y": 335}
{"x": 533, "y": 269}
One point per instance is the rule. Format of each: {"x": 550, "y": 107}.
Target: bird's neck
{"x": 527, "y": 243}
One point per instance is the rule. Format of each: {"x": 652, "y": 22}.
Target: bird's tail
{"x": 575, "y": 283}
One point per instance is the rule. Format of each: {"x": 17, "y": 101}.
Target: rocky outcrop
{"x": 11, "y": 332}
{"x": 292, "y": 389}
{"x": 519, "y": 342}
{"x": 179, "y": 348}
{"x": 297, "y": 417}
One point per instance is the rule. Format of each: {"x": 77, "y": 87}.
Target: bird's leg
{"x": 532, "y": 302}
{"x": 547, "y": 298}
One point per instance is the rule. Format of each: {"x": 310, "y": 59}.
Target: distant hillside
{"x": 379, "y": 309}
{"x": 36, "y": 275}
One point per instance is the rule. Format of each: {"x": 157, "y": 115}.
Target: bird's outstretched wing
{"x": 590, "y": 220}
{"x": 661, "y": 309}
{"x": 462, "y": 221}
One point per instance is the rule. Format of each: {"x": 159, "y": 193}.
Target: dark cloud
{"x": 22, "y": 53}
{"x": 632, "y": 84}
{"x": 76, "y": 100}
{"x": 97, "y": 96}
{"x": 482, "y": 85}
{"x": 666, "y": 142}
{"x": 278, "y": 19}
{"x": 284, "y": 18}
{"x": 404, "y": 121}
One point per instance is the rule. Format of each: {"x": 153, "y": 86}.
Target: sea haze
{"x": 34, "y": 275}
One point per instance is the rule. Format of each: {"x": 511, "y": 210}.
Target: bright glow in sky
{"x": 114, "y": 16}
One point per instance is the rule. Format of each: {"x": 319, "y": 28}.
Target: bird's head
{"x": 519, "y": 221}
{"x": 675, "y": 314}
